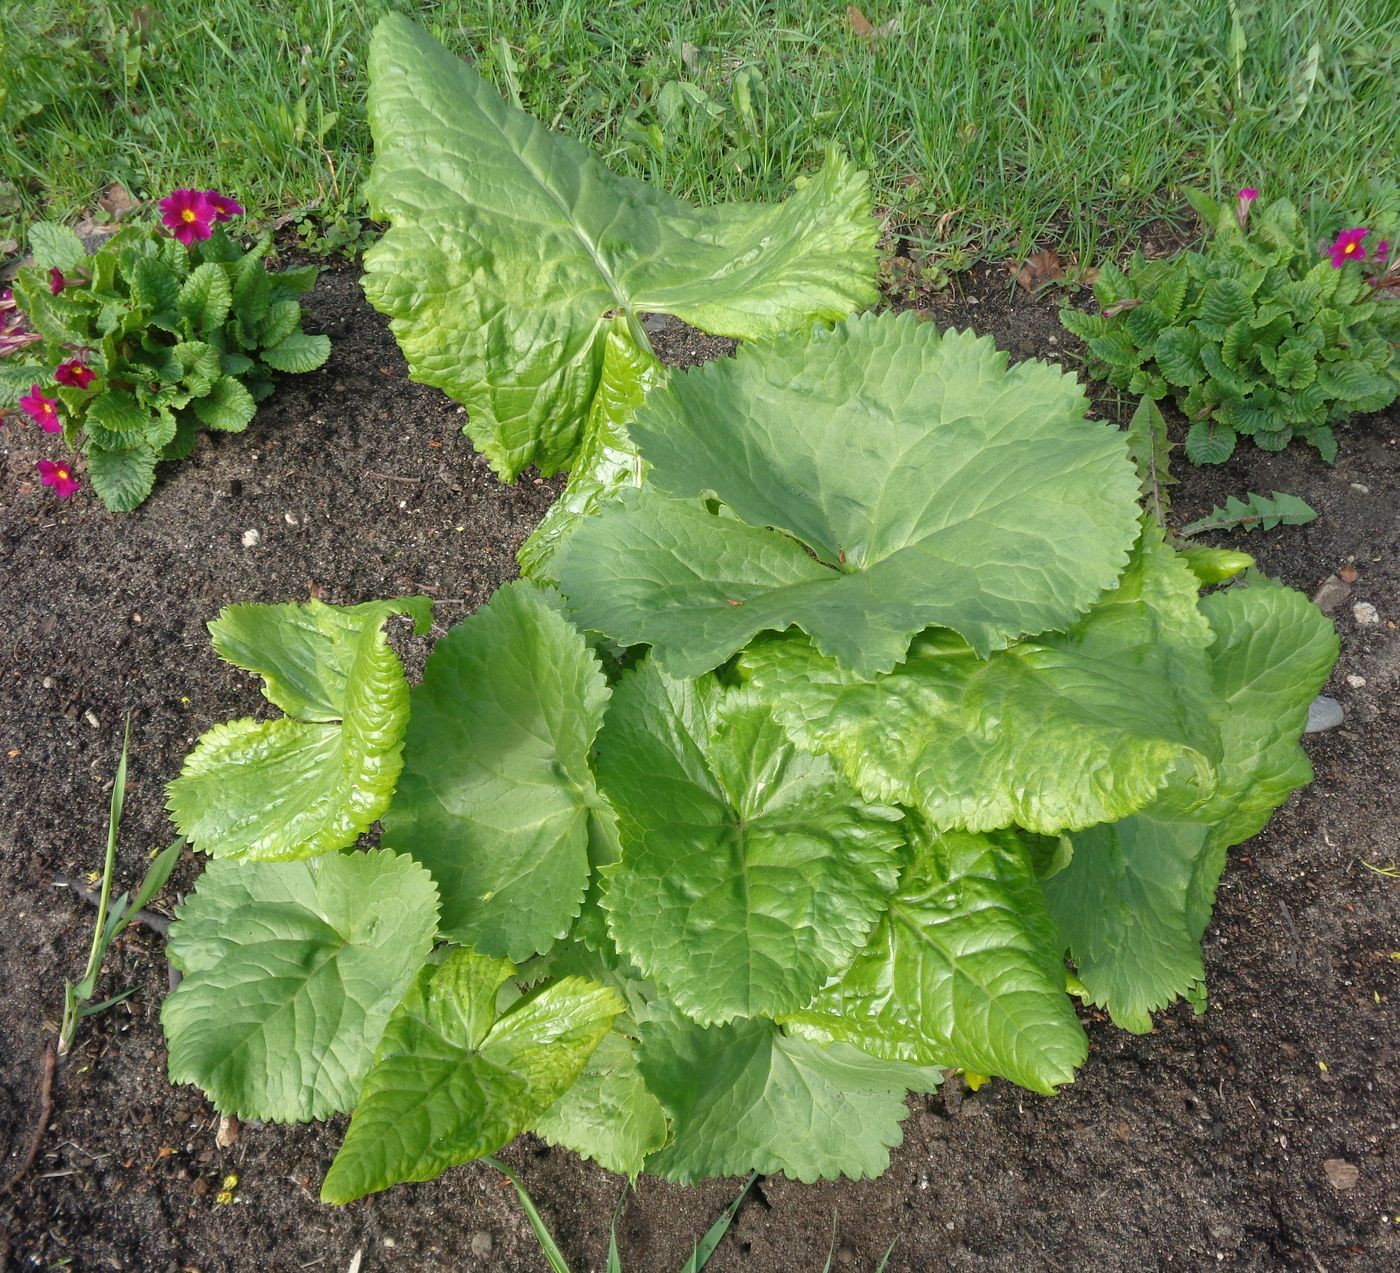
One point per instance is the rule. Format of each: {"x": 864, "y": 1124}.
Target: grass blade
{"x": 548, "y": 1246}
{"x": 706, "y": 1248}
{"x": 889, "y": 1251}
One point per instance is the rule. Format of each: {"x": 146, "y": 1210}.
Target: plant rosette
{"x": 921, "y": 726}
{"x": 1262, "y": 334}
{"x": 163, "y": 331}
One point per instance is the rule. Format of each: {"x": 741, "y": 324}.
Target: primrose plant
{"x": 1263, "y": 334}
{"x": 131, "y": 351}
{"x": 873, "y": 724}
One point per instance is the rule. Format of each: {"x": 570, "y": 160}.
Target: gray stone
{"x": 482, "y": 1242}
{"x": 1331, "y": 594}
{"x": 1323, "y": 714}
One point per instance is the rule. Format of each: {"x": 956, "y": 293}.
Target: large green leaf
{"x": 122, "y": 479}
{"x": 607, "y": 458}
{"x": 745, "y": 1097}
{"x": 878, "y": 478}
{"x": 511, "y": 247}
{"x": 1137, "y": 895}
{"x": 291, "y": 972}
{"x": 1057, "y": 732}
{"x": 964, "y": 970}
{"x": 750, "y": 871}
{"x": 497, "y": 797}
{"x": 314, "y": 780}
{"x": 453, "y": 1080}
{"x": 609, "y": 1115}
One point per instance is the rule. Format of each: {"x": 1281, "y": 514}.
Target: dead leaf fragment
{"x": 1039, "y": 269}
{"x": 228, "y": 1131}
{"x": 1340, "y": 1173}
{"x": 1123, "y": 306}
{"x": 116, "y": 200}
{"x": 864, "y": 29}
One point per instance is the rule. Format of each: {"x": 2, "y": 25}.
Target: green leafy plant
{"x": 131, "y": 351}
{"x": 1257, "y": 335}
{"x": 877, "y": 699}
{"x": 113, "y": 917}
{"x": 516, "y": 268}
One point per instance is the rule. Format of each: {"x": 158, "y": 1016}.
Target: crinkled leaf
{"x": 1059, "y": 731}
{"x": 315, "y": 780}
{"x": 205, "y": 298}
{"x": 1208, "y": 443}
{"x": 607, "y": 459}
{"x": 510, "y": 248}
{"x": 497, "y": 797}
{"x": 55, "y": 245}
{"x": 609, "y": 1114}
{"x": 750, "y": 871}
{"x": 227, "y": 406}
{"x": 298, "y": 352}
{"x": 964, "y": 970}
{"x": 291, "y": 972}
{"x": 1137, "y": 895}
{"x": 929, "y": 484}
{"x": 453, "y": 1081}
{"x": 122, "y": 479}
{"x": 745, "y": 1097}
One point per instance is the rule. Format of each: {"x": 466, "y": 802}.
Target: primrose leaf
{"x": 298, "y": 352}
{"x": 879, "y": 478}
{"x": 1137, "y": 895}
{"x": 744, "y": 1097}
{"x": 291, "y": 972}
{"x": 54, "y": 245}
{"x": 750, "y": 871}
{"x": 122, "y": 479}
{"x": 511, "y": 247}
{"x": 609, "y": 1114}
{"x": 1059, "y": 731}
{"x": 314, "y": 780}
{"x": 453, "y": 1080}
{"x": 607, "y": 459}
{"x": 964, "y": 970}
{"x": 497, "y": 798}
{"x": 205, "y": 298}
{"x": 227, "y": 406}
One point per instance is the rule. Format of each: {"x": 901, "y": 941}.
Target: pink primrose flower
{"x": 1382, "y": 249}
{"x": 224, "y": 208}
{"x": 1347, "y": 247}
{"x": 1246, "y": 196}
{"x": 56, "y": 280}
{"x": 188, "y": 215}
{"x": 74, "y": 373}
{"x": 43, "y": 411}
{"x": 59, "y": 475}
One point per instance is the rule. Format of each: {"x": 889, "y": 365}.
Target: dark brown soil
{"x": 1199, "y": 1146}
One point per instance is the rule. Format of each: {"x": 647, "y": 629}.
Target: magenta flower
{"x": 188, "y": 215}
{"x": 224, "y": 207}
{"x": 59, "y": 475}
{"x": 1347, "y": 247}
{"x": 56, "y": 280}
{"x": 43, "y": 411}
{"x": 1242, "y": 201}
{"x": 14, "y": 332}
{"x": 1382, "y": 249}
{"x": 74, "y": 373}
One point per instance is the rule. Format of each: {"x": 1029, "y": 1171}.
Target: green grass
{"x": 1025, "y": 119}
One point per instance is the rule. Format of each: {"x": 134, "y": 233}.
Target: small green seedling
{"x": 112, "y": 920}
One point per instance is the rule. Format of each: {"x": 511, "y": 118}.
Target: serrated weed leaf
{"x": 510, "y": 247}
{"x": 751, "y": 872}
{"x": 881, "y": 478}
{"x": 964, "y": 970}
{"x": 745, "y": 1097}
{"x": 453, "y": 1080}
{"x": 314, "y": 780}
{"x": 1056, "y": 732}
{"x": 497, "y": 798}
{"x": 291, "y": 972}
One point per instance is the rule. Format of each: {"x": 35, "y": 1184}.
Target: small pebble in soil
{"x": 1361, "y": 488}
{"x": 251, "y": 538}
{"x": 1331, "y": 594}
{"x": 1323, "y": 714}
{"x": 91, "y": 717}
{"x": 1340, "y": 1173}
{"x": 1356, "y": 682}
{"x": 291, "y": 519}
{"x": 482, "y": 1242}
{"x": 1365, "y": 613}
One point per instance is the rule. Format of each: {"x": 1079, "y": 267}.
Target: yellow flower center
{"x": 1349, "y": 249}
{"x": 188, "y": 215}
